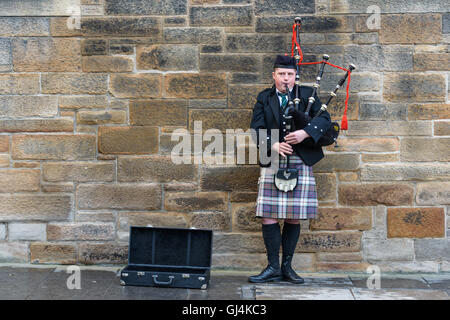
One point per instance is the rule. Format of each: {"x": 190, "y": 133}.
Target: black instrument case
{"x": 168, "y": 257}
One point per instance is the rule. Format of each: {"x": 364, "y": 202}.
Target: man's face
{"x": 283, "y": 76}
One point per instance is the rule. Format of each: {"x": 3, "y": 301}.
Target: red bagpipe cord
{"x": 296, "y": 45}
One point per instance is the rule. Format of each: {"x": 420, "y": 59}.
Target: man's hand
{"x": 282, "y": 148}
{"x": 296, "y": 136}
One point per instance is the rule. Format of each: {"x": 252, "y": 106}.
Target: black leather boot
{"x": 272, "y": 240}
{"x": 289, "y": 273}
{"x": 291, "y": 233}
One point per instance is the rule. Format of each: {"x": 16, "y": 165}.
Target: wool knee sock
{"x": 291, "y": 233}
{"x": 272, "y": 240}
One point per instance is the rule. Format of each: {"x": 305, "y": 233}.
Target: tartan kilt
{"x": 300, "y": 203}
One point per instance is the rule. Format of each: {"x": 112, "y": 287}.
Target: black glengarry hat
{"x": 284, "y": 62}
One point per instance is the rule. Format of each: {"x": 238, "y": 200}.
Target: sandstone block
{"x": 211, "y": 221}
{"x": 224, "y": 62}
{"x": 395, "y": 6}
{"x": 380, "y": 157}
{"x": 94, "y": 217}
{"x": 342, "y": 219}
{"x": 375, "y": 58}
{"x": 375, "y": 194}
{"x": 349, "y": 241}
{"x": 26, "y": 231}
{"x": 310, "y": 24}
{"x": 53, "y": 147}
{"x": 103, "y": 253}
{"x": 46, "y": 54}
{"x": 136, "y": 85}
{"x": 45, "y": 252}
{"x": 220, "y": 119}
{"x": 366, "y": 145}
{"x": 37, "y": 8}
{"x": 24, "y": 26}
{"x": 34, "y": 207}
{"x": 119, "y": 196}
{"x": 220, "y": 16}
{"x": 326, "y": 186}
{"x": 442, "y": 128}
{"x": 4, "y": 143}
{"x": 65, "y": 26}
{"x": 28, "y": 106}
{"x": 389, "y": 128}
{"x": 429, "y": 23}
{"x": 243, "y": 196}
{"x": 414, "y": 87}
{"x": 193, "y": 35}
{"x": 19, "y": 180}
{"x": 5, "y": 55}
{"x": 339, "y": 257}
{"x": 121, "y": 27}
{"x": 169, "y": 219}
{"x": 82, "y": 102}
{"x": 2, "y": 231}
{"x": 244, "y": 217}
{"x": 91, "y": 47}
{"x": 101, "y": 117}
{"x": 416, "y": 222}
{"x": 154, "y": 169}
{"x": 432, "y": 249}
{"x": 340, "y": 162}
{"x": 80, "y": 231}
{"x": 429, "y": 111}
{"x": 51, "y": 125}
{"x": 243, "y": 178}
{"x": 425, "y": 149}
{"x": 238, "y": 243}
{"x": 433, "y": 193}
{"x": 19, "y": 83}
{"x": 195, "y": 86}
{"x": 388, "y": 250}
{"x": 167, "y": 57}
{"x": 276, "y": 7}
{"x": 243, "y": 96}
{"x": 74, "y": 83}
{"x": 383, "y": 111}
{"x": 431, "y": 61}
{"x": 158, "y": 112}
{"x": 195, "y": 201}
{"x": 128, "y": 140}
{"x": 254, "y": 43}
{"x": 14, "y": 252}
{"x": 150, "y": 7}
{"x": 407, "y": 171}
{"x": 106, "y": 64}
{"x": 78, "y": 171}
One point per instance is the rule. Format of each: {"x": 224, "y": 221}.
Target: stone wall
{"x": 88, "y": 106}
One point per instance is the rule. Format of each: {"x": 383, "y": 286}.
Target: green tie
{"x": 284, "y": 99}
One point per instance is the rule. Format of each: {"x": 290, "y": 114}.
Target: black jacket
{"x": 267, "y": 115}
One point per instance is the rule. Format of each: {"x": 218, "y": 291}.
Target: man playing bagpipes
{"x": 288, "y": 191}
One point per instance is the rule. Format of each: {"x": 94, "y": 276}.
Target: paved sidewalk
{"x": 50, "y": 283}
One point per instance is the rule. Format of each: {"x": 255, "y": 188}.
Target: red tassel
{"x": 344, "y": 123}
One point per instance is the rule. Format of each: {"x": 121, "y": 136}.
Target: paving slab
{"x": 302, "y": 293}
{"x": 389, "y": 282}
{"x": 399, "y": 294}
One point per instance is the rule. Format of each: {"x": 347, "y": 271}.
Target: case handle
{"x": 162, "y": 283}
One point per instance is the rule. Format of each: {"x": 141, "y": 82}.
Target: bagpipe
{"x": 286, "y": 179}
{"x": 297, "y": 119}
